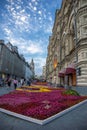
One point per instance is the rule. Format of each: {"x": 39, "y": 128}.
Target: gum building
{"x": 66, "y": 62}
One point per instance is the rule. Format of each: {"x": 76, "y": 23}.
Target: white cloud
{"x": 34, "y": 8}
{"x": 35, "y": 49}
{"x": 31, "y": 49}
{"x": 8, "y": 31}
{"x": 30, "y": 6}
{"x": 20, "y": 17}
{"x": 39, "y": 12}
{"x": 40, "y": 18}
{"x": 18, "y": 7}
{"x": 14, "y": 41}
{"x": 50, "y": 18}
{"x": 22, "y": 11}
{"x": 26, "y": 46}
{"x": 33, "y": 0}
{"x": 48, "y": 29}
{"x": 36, "y": 3}
{"x": 23, "y": 19}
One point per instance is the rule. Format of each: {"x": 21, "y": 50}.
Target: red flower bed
{"x": 38, "y": 105}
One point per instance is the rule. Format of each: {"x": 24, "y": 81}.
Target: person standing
{"x": 15, "y": 82}
{"x": 9, "y": 82}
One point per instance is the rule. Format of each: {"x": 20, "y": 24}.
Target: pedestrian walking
{"x": 22, "y": 81}
{"x": 15, "y": 82}
{"x": 8, "y": 82}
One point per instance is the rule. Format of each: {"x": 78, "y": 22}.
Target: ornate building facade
{"x": 66, "y": 62}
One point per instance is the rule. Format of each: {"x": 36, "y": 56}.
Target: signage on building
{"x": 78, "y": 71}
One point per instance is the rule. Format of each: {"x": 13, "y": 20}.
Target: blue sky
{"x": 28, "y": 24}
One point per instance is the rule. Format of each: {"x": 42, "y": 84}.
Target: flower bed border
{"x": 45, "y": 121}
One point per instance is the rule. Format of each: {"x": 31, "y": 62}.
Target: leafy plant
{"x": 71, "y": 92}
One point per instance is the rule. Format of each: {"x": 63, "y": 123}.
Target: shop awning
{"x": 62, "y": 72}
{"x": 70, "y": 69}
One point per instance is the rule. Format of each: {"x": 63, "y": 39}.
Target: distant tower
{"x": 32, "y": 66}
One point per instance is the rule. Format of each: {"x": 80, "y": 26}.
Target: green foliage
{"x": 71, "y": 92}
